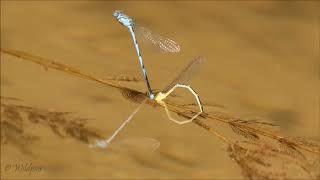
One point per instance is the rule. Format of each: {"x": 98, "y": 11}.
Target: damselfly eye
{"x": 116, "y": 13}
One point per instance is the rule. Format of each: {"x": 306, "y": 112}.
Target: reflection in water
{"x": 285, "y": 118}
{"x": 143, "y": 144}
{"x": 14, "y": 118}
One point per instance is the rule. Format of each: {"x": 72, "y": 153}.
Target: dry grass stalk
{"x": 15, "y": 117}
{"x": 258, "y": 156}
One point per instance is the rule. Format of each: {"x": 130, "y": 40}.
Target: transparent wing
{"x": 165, "y": 44}
{"x": 185, "y": 75}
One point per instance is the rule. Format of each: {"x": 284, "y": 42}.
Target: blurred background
{"x": 262, "y": 60}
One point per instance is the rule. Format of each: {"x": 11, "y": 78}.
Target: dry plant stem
{"x": 258, "y": 159}
{"x": 279, "y": 138}
{"x": 267, "y": 134}
{"x": 253, "y": 157}
{"x": 133, "y": 94}
{"x": 15, "y": 116}
{"x": 46, "y": 63}
{"x": 203, "y": 125}
{"x": 250, "y": 129}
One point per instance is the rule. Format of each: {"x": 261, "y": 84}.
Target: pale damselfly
{"x": 163, "y": 43}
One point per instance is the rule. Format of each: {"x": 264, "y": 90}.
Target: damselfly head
{"x": 123, "y": 18}
{"x": 117, "y": 13}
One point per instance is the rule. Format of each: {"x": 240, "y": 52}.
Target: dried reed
{"x": 258, "y": 153}
{"x": 15, "y": 117}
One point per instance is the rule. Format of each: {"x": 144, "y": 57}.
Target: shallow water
{"x": 262, "y": 60}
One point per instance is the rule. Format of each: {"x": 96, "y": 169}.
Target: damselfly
{"x": 163, "y": 43}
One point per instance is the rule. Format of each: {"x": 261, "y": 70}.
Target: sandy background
{"x": 262, "y": 60}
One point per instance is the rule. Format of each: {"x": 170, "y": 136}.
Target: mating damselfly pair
{"x": 167, "y": 45}
{"x": 260, "y": 151}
